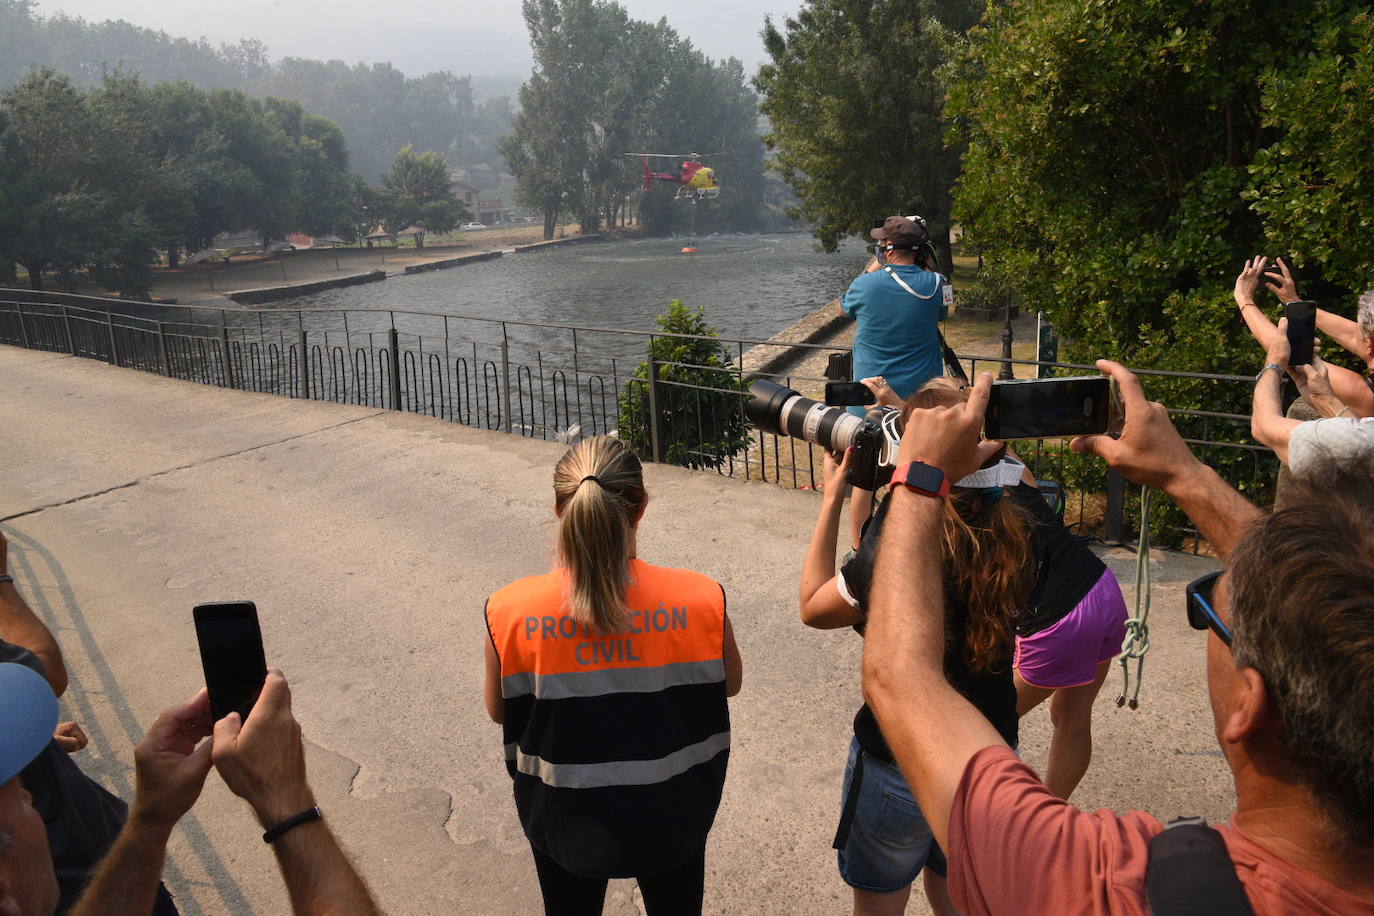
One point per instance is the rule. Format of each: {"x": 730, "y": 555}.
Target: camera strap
{"x": 951, "y": 358}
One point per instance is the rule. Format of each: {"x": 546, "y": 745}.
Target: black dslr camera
{"x": 875, "y": 437}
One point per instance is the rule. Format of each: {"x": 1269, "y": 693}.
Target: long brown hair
{"x": 598, "y": 488}
{"x": 989, "y": 566}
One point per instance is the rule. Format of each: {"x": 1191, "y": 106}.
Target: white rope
{"x": 1137, "y": 641}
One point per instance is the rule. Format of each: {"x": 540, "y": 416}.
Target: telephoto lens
{"x": 780, "y": 410}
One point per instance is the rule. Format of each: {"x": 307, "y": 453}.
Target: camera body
{"x": 874, "y": 437}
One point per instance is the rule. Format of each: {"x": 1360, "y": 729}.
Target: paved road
{"x": 369, "y": 540}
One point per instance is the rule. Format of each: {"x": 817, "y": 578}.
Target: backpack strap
{"x": 1190, "y": 872}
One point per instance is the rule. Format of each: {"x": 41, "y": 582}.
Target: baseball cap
{"x": 28, "y": 715}
{"x": 901, "y": 231}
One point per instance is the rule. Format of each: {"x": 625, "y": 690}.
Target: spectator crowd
{"x": 610, "y": 677}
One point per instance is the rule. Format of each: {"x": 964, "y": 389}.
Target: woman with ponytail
{"x": 609, "y": 677}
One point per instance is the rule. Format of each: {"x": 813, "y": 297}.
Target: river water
{"x": 751, "y": 286}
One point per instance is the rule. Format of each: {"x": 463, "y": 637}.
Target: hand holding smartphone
{"x": 231, "y": 654}
{"x": 1302, "y": 330}
{"x": 1050, "y": 408}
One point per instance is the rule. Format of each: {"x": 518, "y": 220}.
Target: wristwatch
{"x": 1267, "y": 366}
{"x": 921, "y": 477}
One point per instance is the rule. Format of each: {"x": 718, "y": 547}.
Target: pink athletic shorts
{"x": 1067, "y": 653}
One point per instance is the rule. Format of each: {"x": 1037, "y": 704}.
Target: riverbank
{"x": 216, "y": 283}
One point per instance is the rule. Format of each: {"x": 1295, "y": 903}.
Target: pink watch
{"x": 923, "y": 478}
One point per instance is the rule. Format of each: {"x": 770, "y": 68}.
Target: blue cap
{"x": 28, "y": 715}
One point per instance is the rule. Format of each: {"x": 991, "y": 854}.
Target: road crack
{"x": 203, "y": 461}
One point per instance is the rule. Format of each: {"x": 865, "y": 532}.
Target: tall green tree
{"x": 856, "y": 111}
{"x": 54, "y": 204}
{"x": 1125, "y": 158}
{"x": 419, "y": 192}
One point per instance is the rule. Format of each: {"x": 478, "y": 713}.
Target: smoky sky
{"x": 482, "y": 37}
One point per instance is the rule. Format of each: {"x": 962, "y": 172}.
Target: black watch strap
{"x": 275, "y": 831}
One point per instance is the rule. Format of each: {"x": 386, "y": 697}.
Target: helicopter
{"x": 695, "y": 180}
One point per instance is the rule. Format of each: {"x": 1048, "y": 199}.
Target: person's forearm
{"x": 1259, "y": 324}
{"x": 1221, "y": 514}
{"x": 319, "y": 877}
{"x": 127, "y": 878}
{"x": 20, "y": 625}
{"x": 820, "y": 556}
{"x": 1342, "y": 330}
{"x": 933, "y": 731}
{"x": 1267, "y": 422}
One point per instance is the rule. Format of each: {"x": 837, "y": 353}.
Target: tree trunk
{"x": 35, "y": 269}
{"x": 550, "y": 222}
{"x": 419, "y": 240}
{"x": 946, "y": 252}
{"x": 173, "y": 256}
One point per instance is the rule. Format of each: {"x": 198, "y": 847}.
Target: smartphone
{"x": 231, "y": 654}
{"x": 1048, "y": 408}
{"x": 1302, "y": 328}
{"x": 848, "y": 394}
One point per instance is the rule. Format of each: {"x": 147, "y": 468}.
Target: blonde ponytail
{"x": 599, "y": 494}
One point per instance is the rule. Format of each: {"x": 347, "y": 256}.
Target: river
{"x": 751, "y": 286}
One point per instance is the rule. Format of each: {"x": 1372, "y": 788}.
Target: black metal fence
{"x": 559, "y": 382}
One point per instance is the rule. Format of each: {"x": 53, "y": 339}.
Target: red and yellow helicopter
{"x": 694, "y": 180}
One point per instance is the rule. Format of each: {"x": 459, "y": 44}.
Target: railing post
{"x": 162, "y": 362}
{"x": 23, "y": 329}
{"x": 1116, "y": 508}
{"x": 305, "y": 364}
{"x": 393, "y": 350}
{"x": 67, "y": 326}
{"x": 655, "y": 434}
{"x": 224, "y": 351}
{"x": 505, "y": 381}
{"x": 114, "y": 347}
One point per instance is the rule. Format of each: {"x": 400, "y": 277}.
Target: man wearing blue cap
{"x": 28, "y": 715}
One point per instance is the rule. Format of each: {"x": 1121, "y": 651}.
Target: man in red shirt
{"x": 1289, "y": 662}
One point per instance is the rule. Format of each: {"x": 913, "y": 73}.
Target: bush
{"x": 700, "y": 416}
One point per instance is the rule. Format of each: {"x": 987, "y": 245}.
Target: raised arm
{"x": 263, "y": 762}
{"x": 821, "y": 604}
{"x": 932, "y": 730}
{"x": 1151, "y": 453}
{"x": 170, "y": 764}
{"x": 22, "y": 627}
{"x": 1349, "y": 387}
{"x": 1267, "y": 422}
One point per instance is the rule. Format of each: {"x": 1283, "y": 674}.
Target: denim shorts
{"x": 883, "y": 839}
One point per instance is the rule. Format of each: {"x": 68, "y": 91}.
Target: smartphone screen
{"x": 1302, "y": 328}
{"x": 848, "y": 394}
{"x": 1049, "y": 408}
{"x": 231, "y": 654}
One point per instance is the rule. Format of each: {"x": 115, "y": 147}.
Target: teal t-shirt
{"x": 898, "y": 336}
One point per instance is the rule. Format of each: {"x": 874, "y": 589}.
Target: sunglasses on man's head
{"x": 1202, "y": 611}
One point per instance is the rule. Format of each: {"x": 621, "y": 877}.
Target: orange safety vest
{"x": 617, "y": 743}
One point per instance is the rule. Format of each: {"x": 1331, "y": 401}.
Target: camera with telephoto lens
{"x": 874, "y": 437}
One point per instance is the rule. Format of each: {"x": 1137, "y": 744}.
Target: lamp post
{"x": 1006, "y": 372}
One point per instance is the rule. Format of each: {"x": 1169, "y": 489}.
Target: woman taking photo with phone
{"x": 609, "y": 677}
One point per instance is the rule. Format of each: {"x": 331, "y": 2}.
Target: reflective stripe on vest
{"x": 617, "y": 772}
{"x": 611, "y": 680}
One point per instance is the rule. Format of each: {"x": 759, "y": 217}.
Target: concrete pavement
{"x": 369, "y": 540}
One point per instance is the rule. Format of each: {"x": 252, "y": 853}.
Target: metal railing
{"x": 562, "y": 381}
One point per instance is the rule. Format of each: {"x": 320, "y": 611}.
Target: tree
{"x": 1111, "y": 173}
{"x": 419, "y": 192}
{"x": 700, "y": 415}
{"x": 54, "y": 204}
{"x": 855, "y": 108}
